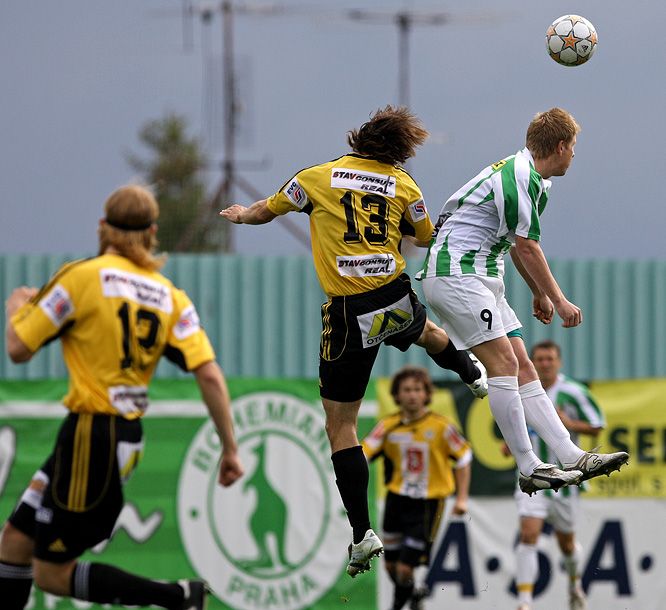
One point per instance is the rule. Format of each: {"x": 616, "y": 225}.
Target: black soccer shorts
{"x": 414, "y": 523}
{"x": 83, "y": 496}
{"x": 353, "y": 328}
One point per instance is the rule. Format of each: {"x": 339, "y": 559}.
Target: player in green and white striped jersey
{"x": 498, "y": 211}
{"x": 581, "y": 415}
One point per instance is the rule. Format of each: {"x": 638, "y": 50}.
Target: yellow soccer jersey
{"x": 419, "y": 456}
{"x": 115, "y": 319}
{"x": 359, "y": 210}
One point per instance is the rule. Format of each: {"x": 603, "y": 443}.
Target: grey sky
{"x": 81, "y": 77}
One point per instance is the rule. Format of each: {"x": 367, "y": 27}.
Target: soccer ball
{"x": 571, "y": 40}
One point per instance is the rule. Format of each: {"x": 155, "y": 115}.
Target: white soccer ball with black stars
{"x": 571, "y": 40}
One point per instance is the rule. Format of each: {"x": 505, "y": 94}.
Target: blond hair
{"x": 548, "y": 129}
{"x": 390, "y": 136}
{"x": 130, "y": 213}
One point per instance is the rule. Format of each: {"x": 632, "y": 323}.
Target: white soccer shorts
{"x": 559, "y": 510}
{"x": 472, "y": 309}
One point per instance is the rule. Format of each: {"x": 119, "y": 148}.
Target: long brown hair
{"x": 412, "y": 372}
{"x": 390, "y": 136}
{"x": 128, "y": 227}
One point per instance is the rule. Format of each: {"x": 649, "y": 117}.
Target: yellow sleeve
{"x": 416, "y": 213}
{"x": 457, "y": 444}
{"x": 44, "y": 317}
{"x": 374, "y": 442}
{"x": 187, "y": 344}
{"x": 290, "y": 198}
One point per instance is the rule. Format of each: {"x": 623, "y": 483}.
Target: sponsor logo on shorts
{"x": 57, "y": 305}
{"x": 136, "y": 288}
{"x": 366, "y": 265}
{"x": 44, "y": 515}
{"x": 187, "y": 324}
{"x": 266, "y": 541}
{"x": 418, "y": 210}
{"x": 359, "y": 180}
{"x": 380, "y": 324}
{"x": 295, "y": 193}
{"x": 57, "y": 546}
{"x": 128, "y": 399}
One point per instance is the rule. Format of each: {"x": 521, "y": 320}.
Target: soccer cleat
{"x": 360, "y": 554}
{"x": 595, "y": 464}
{"x": 577, "y": 600}
{"x": 195, "y": 594}
{"x": 479, "y": 386}
{"x": 548, "y": 476}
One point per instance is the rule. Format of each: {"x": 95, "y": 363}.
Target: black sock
{"x": 457, "y": 361}
{"x": 402, "y": 594}
{"x": 351, "y": 472}
{"x": 103, "y": 584}
{"x": 15, "y": 584}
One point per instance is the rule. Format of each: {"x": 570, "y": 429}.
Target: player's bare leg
{"x": 540, "y": 414}
{"x": 15, "y": 567}
{"x": 352, "y": 476}
{"x": 502, "y": 365}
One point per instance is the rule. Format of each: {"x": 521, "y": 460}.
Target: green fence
{"x": 262, "y": 314}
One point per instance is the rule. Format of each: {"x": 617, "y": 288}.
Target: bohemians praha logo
{"x": 277, "y": 538}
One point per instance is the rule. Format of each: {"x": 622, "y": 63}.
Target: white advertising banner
{"x": 623, "y": 558}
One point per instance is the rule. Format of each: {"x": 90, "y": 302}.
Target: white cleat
{"x": 479, "y": 387}
{"x": 360, "y": 554}
{"x": 577, "y": 600}
{"x": 548, "y": 476}
{"x": 595, "y": 464}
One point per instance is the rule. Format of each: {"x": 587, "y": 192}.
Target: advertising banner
{"x": 276, "y": 539}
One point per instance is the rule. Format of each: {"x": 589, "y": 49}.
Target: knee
{"x": 503, "y": 364}
{"x": 567, "y": 546}
{"x": 404, "y": 574}
{"x": 53, "y": 578}
{"x": 529, "y": 537}
{"x": 15, "y": 546}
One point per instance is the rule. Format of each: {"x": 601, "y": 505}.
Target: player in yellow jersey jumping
{"x": 115, "y": 316}
{"x": 361, "y": 206}
{"x": 426, "y": 459}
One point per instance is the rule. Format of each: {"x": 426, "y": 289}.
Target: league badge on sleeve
{"x": 418, "y": 210}
{"x": 295, "y": 193}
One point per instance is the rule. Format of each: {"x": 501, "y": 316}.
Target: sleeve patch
{"x": 295, "y": 193}
{"x": 57, "y": 305}
{"x": 187, "y": 324}
{"x": 418, "y": 211}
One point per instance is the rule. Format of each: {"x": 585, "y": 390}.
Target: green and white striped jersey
{"x": 577, "y": 402}
{"x": 479, "y": 222}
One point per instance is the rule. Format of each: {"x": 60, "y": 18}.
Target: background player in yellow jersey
{"x": 115, "y": 316}
{"x": 361, "y": 206}
{"x": 426, "y": 459}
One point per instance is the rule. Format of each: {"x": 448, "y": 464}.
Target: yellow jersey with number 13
{"x": 359, "y": 211}
{"x": 115, "y": 320}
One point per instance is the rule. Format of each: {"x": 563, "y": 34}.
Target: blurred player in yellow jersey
{"x": 426, "y": 460}
{"x": 361, "y": 206}
{"x": 115, "y": 316}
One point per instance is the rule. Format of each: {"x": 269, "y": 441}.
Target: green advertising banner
{"x": 277, "y": 539}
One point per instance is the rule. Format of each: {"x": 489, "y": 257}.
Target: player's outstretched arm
{"x": 463, "y": 477}
{"x": 215, "y": 395}
{"x": 535, "y": 264}
{"x": 257, "y": 214}
{"x": 16, "y": 349}
{"x": 542, "y": 306}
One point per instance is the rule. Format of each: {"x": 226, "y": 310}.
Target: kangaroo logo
{"x": 273, "y": 539}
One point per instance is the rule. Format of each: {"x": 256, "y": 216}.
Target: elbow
{"x": 18, "y": 355}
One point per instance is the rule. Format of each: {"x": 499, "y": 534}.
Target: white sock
{"x": 527, "y": 568}
{"x": 541, "y": 415}
{"x": 507, "y": 409}
{"x": 571, "y": 564}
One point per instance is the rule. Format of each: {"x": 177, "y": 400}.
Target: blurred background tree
{"x": 174, "y": 170}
